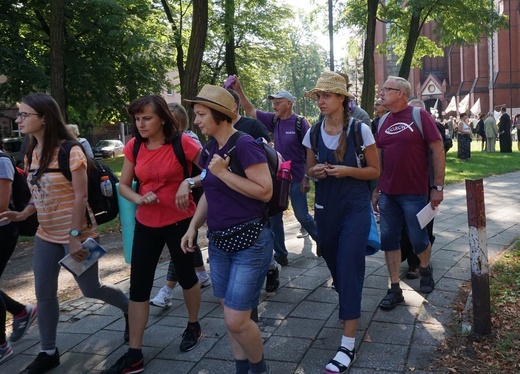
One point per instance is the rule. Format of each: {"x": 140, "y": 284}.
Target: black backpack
{"x": 197, "y": 192}
{"x": 105, "y": 208}
{"x": 279, "y": 201}
{"x": 21, "y": 197}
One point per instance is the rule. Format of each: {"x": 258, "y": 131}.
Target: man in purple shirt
{"x": 287, "y": 141}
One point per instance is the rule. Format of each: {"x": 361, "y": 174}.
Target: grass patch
{"x": 497, "y": 352}
{"x": 480, "y": 165}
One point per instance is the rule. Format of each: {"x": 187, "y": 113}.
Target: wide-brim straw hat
{"x": 217, "y": 98}
{"x": 330, "y": 81}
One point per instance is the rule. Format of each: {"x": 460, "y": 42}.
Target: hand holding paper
{"x": 426, "y": 215}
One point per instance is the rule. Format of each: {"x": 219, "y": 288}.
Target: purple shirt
{"x": 405, "y": 153}
{"x": 286, "y": 141}
{"x": 227, "y": 207}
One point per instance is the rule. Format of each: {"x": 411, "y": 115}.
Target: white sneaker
{"x": 204, "y": 280}
{"x": 302, "y": 234}
{"x": 163, "y": 299}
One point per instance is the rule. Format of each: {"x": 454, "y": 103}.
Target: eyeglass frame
{"x": 386, "y": 89}
{"x": 24, "y": 115}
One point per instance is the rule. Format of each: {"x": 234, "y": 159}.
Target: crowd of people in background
{"x": 246, "y": 247}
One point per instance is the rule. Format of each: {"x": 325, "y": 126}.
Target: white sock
{"x": 202, "y": 274}
{"x": 49, "y": 352}
{"x": 168, "y": 289}
{"x": 341, "y": 357}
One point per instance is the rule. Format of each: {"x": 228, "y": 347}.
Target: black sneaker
{"x": 427, "y": 282}
{"x": 392, "y": 298}
{"x": 273, "y": 279}
{"x": 191, "y": 337}
{"x": 124, "y": 366}
{"x": 43, "y": 363}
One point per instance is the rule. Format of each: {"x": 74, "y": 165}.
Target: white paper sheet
{"x": 426, "y": 215}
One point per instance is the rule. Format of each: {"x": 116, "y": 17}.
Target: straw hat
{"x": 217, "y": 98}
{"x": 330, "y": 82}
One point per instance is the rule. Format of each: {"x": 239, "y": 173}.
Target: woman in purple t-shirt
{"x": 240, "y": 244}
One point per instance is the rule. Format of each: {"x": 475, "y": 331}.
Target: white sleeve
{"x": 368, "y": 137}
{"x": 307, "y": 139}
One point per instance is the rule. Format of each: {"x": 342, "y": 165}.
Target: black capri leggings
{"x": 171, "y": 275}
{"x": 146, "y": 250}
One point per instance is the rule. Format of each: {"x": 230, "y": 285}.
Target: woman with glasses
{"x": 61, "y": 206}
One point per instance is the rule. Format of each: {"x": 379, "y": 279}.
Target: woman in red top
{"x": 165, "y": 208}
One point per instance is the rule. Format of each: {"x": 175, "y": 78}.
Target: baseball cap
{"x": 282, "y": 94}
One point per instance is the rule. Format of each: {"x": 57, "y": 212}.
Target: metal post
{"x": 478, "y": 256}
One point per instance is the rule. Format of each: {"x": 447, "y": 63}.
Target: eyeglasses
{"x": 24, "y": 115}
{"x": 386, "y": 89}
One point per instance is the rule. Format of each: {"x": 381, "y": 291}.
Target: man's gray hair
{"x": 403, "y": 85}
{"x": 417, "y": 102}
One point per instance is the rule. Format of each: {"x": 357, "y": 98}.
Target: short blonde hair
{"x": 73, "y": 129}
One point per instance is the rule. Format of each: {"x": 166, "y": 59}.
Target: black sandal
{"x": 342, "y": 368}
{"x": 391, "y": 299}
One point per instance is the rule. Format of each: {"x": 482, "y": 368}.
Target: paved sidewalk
{"x": 300, "y": 321}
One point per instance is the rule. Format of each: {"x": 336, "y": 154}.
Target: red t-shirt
{"x": 405, "y": 153}
{"x": 159, "y": 171}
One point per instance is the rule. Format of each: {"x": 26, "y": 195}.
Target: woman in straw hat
{"x": 165, "y": 208}
{"x": 240, "y": 244}
{"x": 342, "y": 204}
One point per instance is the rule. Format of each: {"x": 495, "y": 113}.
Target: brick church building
{"x": 489, "y": 71}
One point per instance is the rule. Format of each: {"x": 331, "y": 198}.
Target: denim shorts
{"x": 238, "y": 277}
{"x": 395, "y": 208}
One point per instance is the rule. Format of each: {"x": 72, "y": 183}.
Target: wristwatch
{"x": 191, "y": 182}
{"x": 74, "y": 233}
{"x": 438, "y": 188}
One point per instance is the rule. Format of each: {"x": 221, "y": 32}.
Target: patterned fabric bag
{"x": 238, "y": 237}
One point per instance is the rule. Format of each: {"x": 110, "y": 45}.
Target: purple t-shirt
{"x": 286, "y": 141}
{"x": 405, "y": 153}
{"x": 227, "y": 207}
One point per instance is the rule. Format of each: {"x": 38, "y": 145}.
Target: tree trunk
{"x": 229, "y": 35}
{"x": 369, "y": 81}
{"x": 413, "y": 36}
{"x": 199, "y": 32}
{"x": 57, "y": 58}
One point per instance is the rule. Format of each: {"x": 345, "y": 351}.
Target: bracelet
{"x": 31, "y": 203}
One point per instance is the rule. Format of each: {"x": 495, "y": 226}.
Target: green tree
{"x": 406, "y": 20}
{"x": 113, "y": 51}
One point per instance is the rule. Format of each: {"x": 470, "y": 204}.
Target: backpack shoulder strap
{"x": 314, "y": 137}
{"x": 64, "y": 158}
{"x": 416, "y": 116}
{"x": 381, "y": 121}
{"x": 298, "y": 127}
{"x": 359, "y": 143}
{"x": 179, "y": 153}
{"x": 234, "y": 163}
{"x": 275, "y": 120}
{"x": 135, "y": 149}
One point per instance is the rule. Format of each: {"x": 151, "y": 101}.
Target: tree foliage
{"x": 457, "y": 22}
{"x": 114, "y": 51}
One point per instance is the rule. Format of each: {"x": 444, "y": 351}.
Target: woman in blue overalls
{"x": 342, "y": 202}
